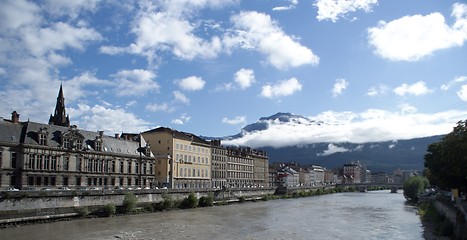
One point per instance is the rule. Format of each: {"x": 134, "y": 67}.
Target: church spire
{"x": 60, "y": 118}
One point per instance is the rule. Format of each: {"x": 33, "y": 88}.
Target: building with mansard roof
{"x": 58, "y": 154}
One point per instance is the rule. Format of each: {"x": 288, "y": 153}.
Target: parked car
{"x": 29, "y": 189}
{"x": 64, "y": 188}
{"x": 46, "y": 189}
{"x": 118, "y": 188}
{"x": 94, "y": 188}
{"x": 12, "y": 189}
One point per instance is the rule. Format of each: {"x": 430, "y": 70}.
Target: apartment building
{"x": 183, "y": 159}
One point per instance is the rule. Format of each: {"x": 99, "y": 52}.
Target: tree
{"x": 414, "y": 186}
{"x": 446, "y": 161}
{"x": 129, "y": 202}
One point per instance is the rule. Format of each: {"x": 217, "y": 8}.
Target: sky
{"x": 210, "y": 67}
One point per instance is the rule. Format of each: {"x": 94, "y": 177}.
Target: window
{"x": 79, "y": 144}
{"x": 129, "y": 168}
{"x": 66, "y": 143}
{"x": 113, "y": 168}
{"x": 78, "y": 181}
{"x": 98, "y": 146}
{"x": 31, "y": 161}
{"x": 66, "y": 162}
{"x": 137, "y": 167}
{"x": 13, "y": 160}
{"x": 121, "y": 168}
{"x": 42, "y": 139}
{"x": 53, "y": 162}
{"x": 78, "y": 163}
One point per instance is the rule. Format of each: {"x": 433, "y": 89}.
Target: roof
{"x": 179, "y": 135}
{"x": 26, "y": 133}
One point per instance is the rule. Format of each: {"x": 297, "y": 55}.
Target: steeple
{"x": 60, "y": 118}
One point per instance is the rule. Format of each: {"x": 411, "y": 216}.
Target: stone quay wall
{"x": 40, "y": 205}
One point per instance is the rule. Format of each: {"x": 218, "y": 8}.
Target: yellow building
{"x": 183, "y": 159}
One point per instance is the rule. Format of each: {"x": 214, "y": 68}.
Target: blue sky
{"x": 212, "y": 66}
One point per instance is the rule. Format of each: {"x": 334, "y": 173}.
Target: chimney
{"x": 101, "y": 133}
{"x": 15, "y": 117}
{"x": 117, "y": 136}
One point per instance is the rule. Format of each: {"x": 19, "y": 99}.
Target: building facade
{"x": 184, "y": 158}
{"x": 51, "y": 155}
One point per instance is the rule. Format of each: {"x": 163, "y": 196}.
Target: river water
{"x": 370, "y": 215}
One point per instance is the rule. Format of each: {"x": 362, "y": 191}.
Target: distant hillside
{"x": 377, "y": 155}
{"x": 381, "y": 156}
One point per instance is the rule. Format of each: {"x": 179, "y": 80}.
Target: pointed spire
{"x": 60, "y": 117}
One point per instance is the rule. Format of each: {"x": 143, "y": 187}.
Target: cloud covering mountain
{"x": 286, "y": 129}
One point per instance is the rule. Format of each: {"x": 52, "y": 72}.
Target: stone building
{"x": 183, "y": 159}
{"x": 57, "y": 154}
{"x": 239, "y": 167}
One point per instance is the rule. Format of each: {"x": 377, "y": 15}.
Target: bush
{"x": 206, "y": 201}
{"x": 241, "y": 199}
{"x": 109, "y": 210}
{"x": 190, "y": 202}
{"x": 129, "y": 202}
{"x": 168, "y": 203}
{"x": 83, "y": 212}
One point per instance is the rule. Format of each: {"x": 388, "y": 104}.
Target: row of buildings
{"x": 35, "y": 155}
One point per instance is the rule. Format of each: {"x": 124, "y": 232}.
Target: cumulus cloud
{"x": 292, "y": 5}
{"x": 244, "y": 78}
{"x": 154, "y": 107}
{"x": 378, "y": 90}
{"x": 135, "y": 82}
{"x": 334, "y": 9}
{"x": 70, "y": 8}
{"x": 332, "y": 148}
{"x": 281, "y": 89}
{"x": 191, "y": 83}
{"x": 373, "y": 125}
{"x": 165, "y": 26}
{"x": 417, "y": 89}
{"x": 407, "y": 108}
{"x": 453, "y": 82}
{"x": 110, "y": 120}
{"x": 180, "y": 97}
{"x": 235, "y": 121}
{"x": 411, "y": 38}
{"x": 339, "y": 87}
{"x": 257, "y": 31}
{"x": 184, "y": 118}
{"x": 462, "y": 93}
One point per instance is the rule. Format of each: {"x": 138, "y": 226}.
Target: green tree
{"x": 446, "y": 160}
{"x": 190, "y": 202}
{"x": 414, "y": 186}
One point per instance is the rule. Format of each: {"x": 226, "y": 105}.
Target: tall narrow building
{"x": 60, "y": 118}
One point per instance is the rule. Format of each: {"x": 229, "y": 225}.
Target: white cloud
{"x": 259, "y": 32}
{"x": 180, "y": 97}
{"x": 70, "y": 8}
{"x": 453, "y": 82}
{"x": 235, "y": 121}
{"x": 335, "y": 9}
{"x": 411, "y": 38}
{"x": 462, "y": 93}
{"x": 15, "y": 14}
{"x": 292, "y": 5}
{"x": 106, "y": 119}
{"x": 407, "y": 108}
{"x": 417, "y": 89}
{"x": 379, "y": 90}
{"x": 154, "y": 107}
{"x": 332, "y": 148}
{"x": 166, "y": 26}
{"x": 184, "y": 118}
{"x": 191, "y": 83}
{"x": 339, "y": 87}
{"x": 282, "y": 88}
{"x": 244, "y": 78}
{"x": 135, "y": 82}
{"x": 369, "y": 126}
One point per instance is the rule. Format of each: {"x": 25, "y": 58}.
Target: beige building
{"x": 183, "y": 159}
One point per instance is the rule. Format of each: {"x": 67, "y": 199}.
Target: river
{"x": 370, "y": 215}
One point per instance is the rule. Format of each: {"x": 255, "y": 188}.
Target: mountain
{"x": 377, "y": 154}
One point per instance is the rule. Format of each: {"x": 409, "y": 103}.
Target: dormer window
{"x": 98, "y": 145}
{"x": 66, "y": 142}
{"x": 42, "y": 136}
